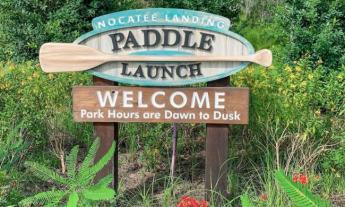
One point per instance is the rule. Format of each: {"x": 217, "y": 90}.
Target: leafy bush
{"x": 31, "y": 98}
{"x": 314, "y": 29}
{"x": 299, "y": 102}
{"x": 26, "y": 25}
{"x": 227, "y": 8}
{"x": 12, "y": 147}
{"x": 77, "y": 187}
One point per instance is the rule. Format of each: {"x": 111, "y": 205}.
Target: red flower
{"x": 187, "y": 201}
{"x": 263, "y": 197}
{"x": 303, "y": 179}
{"x": 203, "y": 203}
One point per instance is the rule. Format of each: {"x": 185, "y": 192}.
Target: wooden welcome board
{"x": 221, "y": 105}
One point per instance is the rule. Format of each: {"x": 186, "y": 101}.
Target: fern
{"x": 87, "y": 175}
{"x": 98, "y": 193}
{"x": 88, "y": 161}
{"x": 73, "y": 200}
{"x": 72, "y": 162}
{"x": 45, "y": 173}
{"x": 104, "y": 182}
{"x": 245, "y": 201}
{"x": 300, "y": 196}
{"x": 42, "y": 198}
{"x": 78, "y": 188}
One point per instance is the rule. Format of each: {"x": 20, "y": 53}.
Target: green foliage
{"x": 50, "y": 197}
{"x": 77, "y": 187}
{"x": 30, "y": 99}
{"x": 315, "y": 29}
{"x": 227, "y": 8}
{"x": 45, "y": 173}
{"x": 300, "y": 97}
{"x": 258, "y": 25}
{"x": 26, "y": 25}
{"x": 300, "y": 196}
{"x": 245, "y": 201}
{"x": 11, "y": 146}
{"x": 73, "y": 199}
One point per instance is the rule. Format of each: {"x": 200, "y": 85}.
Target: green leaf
{"x": 105, "y": 182}
{"x": 98, "y": 194}
{"x": 89, "y": 158}
{"x": 45, "y": 173}
{"x": 245, "y": 201}
{"x": 73, "y": 200}
{"x": 88, "y": 174}
{"x": 72, "y": 162}
{"x": 300, "y": 196}
{"x": 43, "y": 198}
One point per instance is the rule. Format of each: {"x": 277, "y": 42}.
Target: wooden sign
{"x": 136, "y": 104}
{"x": 163, "y": 32}
{"x": 160, "y": 47}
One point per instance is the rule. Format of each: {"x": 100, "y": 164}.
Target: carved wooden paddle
{"x": 68, "y": 57}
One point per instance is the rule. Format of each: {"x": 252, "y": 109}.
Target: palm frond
{"x": 72, "y": 162}
{"x": 73, "y": 200}
{"x": 89, "y": 158}
{"x": 88, "y": 174}
{"x": 104, "y": 182}
{"x": 45, "y": 173}
{"x": 300, "y": 196}
{"x": 43, "y": 198}
{"x": 245, "y": 201}
{"x": 99, "y": 193}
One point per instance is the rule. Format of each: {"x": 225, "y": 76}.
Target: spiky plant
{"x": 245, "y": 201}
{"x": 77, "y": 188}
{"x": 299, "y": 195}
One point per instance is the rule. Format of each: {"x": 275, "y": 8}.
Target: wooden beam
{"x": 107, "y": 132}
{"x": 216, "y": 154}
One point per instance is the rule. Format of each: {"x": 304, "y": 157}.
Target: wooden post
{"x": 216, "y": 154}
{"x": 107, "y": 132}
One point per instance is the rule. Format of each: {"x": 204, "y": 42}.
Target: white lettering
{"x": 218, "y": 100}
{"x": 127, "y": 98}
{"x": 108, "y": 97}
{"x": 196, "y": 99}
{"x": 141, "y": 104}
{"x": 173, "y": 101}
{"x": 154, "y": 101}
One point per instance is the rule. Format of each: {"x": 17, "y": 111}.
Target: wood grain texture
{"x": 64, "y": 57}
{"x": 107, "y": 133}
{"x": 216, "y": 168}
{"x": 85, "y": 99}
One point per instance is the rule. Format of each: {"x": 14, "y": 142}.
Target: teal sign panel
{"x": 165, "y": 32}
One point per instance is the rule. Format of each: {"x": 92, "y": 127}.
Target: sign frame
{"x": 217, "y": 105}
{"x": 161, "y": 13}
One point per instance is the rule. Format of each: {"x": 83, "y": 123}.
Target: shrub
{"x": 26, "y": 25}
{"x": 314, "y": 29}
{"x": 303, "y": 102}
{"x": 29, "y": 98}
{"x": 227, "y": 8}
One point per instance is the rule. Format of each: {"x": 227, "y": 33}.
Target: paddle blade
{"x": 66, "y": 57}
{"x": 263, "y": 57}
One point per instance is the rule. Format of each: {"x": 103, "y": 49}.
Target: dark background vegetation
{"x": 297, "y": 105}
